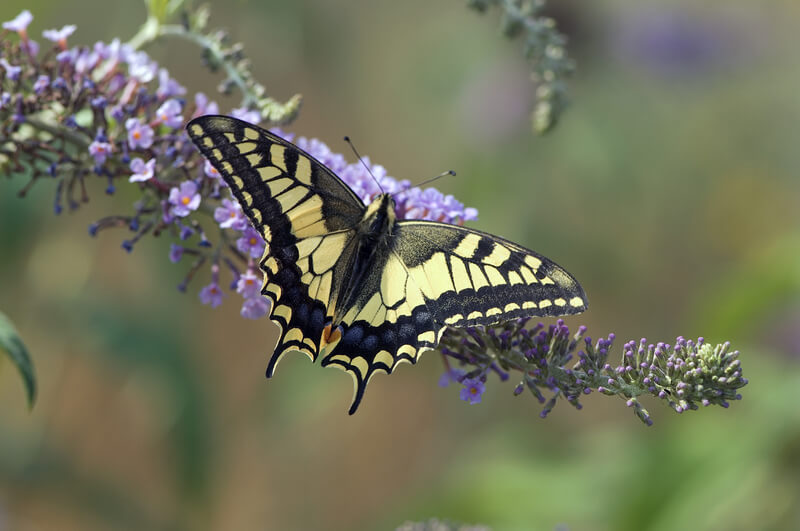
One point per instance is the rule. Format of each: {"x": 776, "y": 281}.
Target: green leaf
{"x": 11, "y": 344}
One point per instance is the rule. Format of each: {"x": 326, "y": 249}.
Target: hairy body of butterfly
{"x": 352, "y": 283}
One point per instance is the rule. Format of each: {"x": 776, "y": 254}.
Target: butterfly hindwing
{"x": 305, "y": 214}
{"x": 389, "y": 323}
{"x": 433, "y": 275}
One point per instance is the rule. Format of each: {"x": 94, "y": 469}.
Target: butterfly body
{"x": 354, "y": 284}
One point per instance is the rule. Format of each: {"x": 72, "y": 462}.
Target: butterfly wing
{"x": 433, "y": 275}
{"x": 304, "y": 212}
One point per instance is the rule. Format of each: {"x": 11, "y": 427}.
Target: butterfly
{"x": 354, "y": 285}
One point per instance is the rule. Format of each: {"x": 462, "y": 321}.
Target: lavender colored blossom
{"x": 175, "y": 253}
{"x": 114, "y": 51}
{"x": 168, "y": 87}
{"x": 249, "y": 285}
{"x": 139, "y": 135}
{"x": 251, "y": 243}
{"x": 169, "y": 114}
{"x": 60, "y": 36}
{"x": 230, "y": 216}
{"x": 41, "y": 84}
{"x": 204, "y": 106}
{"x": 100, "y": 151}
{"x": 212, "y": 295}
{"x": 142, "y": 171}
{"x": 13, "y": 72}
{"x": 248, "y": 115}
{"x": 450, "y": 376}
{"x": 19, "y": 23}
{"x": 141, "y": 67}
{"x": 184, "y": 199}
{"x": 255, "y": 307}
{"x": 210, "y": 171}
{"x": 473, "y": 390}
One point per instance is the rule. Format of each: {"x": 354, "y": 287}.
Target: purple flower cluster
{"x": 119, "y": 117}
{"x": 684, "y": 375}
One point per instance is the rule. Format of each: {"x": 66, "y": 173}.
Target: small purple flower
{"x": 67, "y": 56}
{"x": 113, "y": 51}
{"x": 230, "y": 216}
{"x": 175, "y": 253}
{"x": 255, "y": 307}
{"x": 143, "y": 171}
{"x": 451, "y": 375}
{"x": 100, "y": 151}
{"x": 203, "y": 106}
{"x": 243, "y": 113}
{"x": 12, "y": 72}
{"x": 186, "y": 232}
{"x": 168, "y": 87}
{"x": 251, "y": 243}
{"x": 41, "y": 83}
{"x": 184, "y": 199}
{"x": 84, "y": 62}
{"x": 139, "y": 135}
{"x": 5, "y": 97}
{"x": 169, "y": 114}
{"x": 249, "y": 285}
{"x": 473, "y": 390}
{"x": 211, "y": 295}
{"x": 20, "y": 23}
{"x": 60, "y": 36}
{"x": 210, "y": 171}
{"x": 141, "y": 67}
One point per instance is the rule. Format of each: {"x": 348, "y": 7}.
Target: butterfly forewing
{"x": 305, "y": 214}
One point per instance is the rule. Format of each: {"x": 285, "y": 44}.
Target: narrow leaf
{"x": 11, "y": 344}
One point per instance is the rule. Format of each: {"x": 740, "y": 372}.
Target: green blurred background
{"x": 670, "y": 189}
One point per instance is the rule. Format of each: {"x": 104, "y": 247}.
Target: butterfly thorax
{"x": 372, "y": 235}
{"x": 378, "y": 220}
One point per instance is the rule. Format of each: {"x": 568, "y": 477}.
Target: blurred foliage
{"x": 12, "y": 346}
{"x": 670, "y": 189}
{"x": 544, "y": 48}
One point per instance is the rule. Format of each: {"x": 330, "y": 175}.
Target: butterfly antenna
{"x": 361, "y": 160}
{"x": 448, "y": 172}
{"x": 428, "y": 181}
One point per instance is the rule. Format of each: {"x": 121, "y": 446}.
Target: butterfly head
{"x": 380, "y": 216}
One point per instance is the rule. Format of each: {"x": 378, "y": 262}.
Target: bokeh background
{"x": 670, "y": 189}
